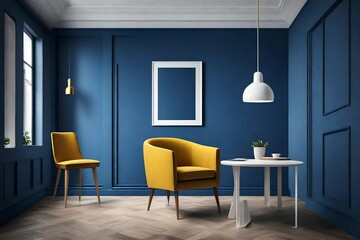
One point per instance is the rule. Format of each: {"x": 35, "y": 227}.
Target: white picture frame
{"x": 197, "y": 65}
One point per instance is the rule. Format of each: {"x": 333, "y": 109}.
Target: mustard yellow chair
{"x": 67, "y": 155}
{"x": 174, "y": 164}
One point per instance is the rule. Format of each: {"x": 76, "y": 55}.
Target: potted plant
{"x": 26, "y": 138}
{"x": 6, "y": 141}
{"x": 259, "y": 148}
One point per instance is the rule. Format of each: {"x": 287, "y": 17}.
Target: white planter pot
{"x": 259, "y": 152}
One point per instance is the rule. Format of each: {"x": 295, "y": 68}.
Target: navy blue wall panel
{"x": 38, "y": 173}
{"x": 82, "y": 111}
{"x": 336, "y": 169}
{"x": 229, "y": 61}
{"x": 336, "y": 50}
{"x": 10, "y": 178}
{"x": 176, "y": 91}
{"x": 324, "y": 109}
{"x": 25, "y": 170}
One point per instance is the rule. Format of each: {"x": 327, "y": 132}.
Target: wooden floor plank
{"x": 127, "y": 218}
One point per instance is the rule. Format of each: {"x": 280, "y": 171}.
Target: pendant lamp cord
{"x": 69, "y": 60}
{"x": 257, "y": 34}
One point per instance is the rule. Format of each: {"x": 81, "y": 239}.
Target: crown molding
{"x": 165, "y": 14}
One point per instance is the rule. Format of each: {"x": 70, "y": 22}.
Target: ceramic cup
{"x": 276, "y": 155}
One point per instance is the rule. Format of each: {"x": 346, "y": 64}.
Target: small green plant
{"x": 26, "y": 138}
{"x": 259, "y": 143}
{"x": 6, "y": 141}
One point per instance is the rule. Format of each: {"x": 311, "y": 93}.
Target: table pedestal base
{"x": 244, "y": 212}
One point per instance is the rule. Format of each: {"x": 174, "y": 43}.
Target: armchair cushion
{"x": 186, "y": 173}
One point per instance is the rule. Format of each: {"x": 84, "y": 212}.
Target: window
{"x": 28, "y": 89}
{"x": 32, "y": 108}
{"x": 9, "y": 81}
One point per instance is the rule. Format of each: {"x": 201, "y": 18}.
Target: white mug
{"x": 276, "y": 155}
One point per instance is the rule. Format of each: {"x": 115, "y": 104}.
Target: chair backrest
{"x": 181, "y": 148}
{"x": 65, "y": 146}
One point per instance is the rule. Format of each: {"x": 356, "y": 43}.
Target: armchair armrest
{"x": 206, "y": 156}
{"x": 160, "y": 167}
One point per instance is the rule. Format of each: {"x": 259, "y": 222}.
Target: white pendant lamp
{"x": 258, "y": 91}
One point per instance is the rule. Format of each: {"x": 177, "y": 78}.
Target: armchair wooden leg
{"x": 152, "y": 190}
{"x": 57, "y": 182}
{"x": 67, "y": 171}
{"x": 80, "y": 177}
{"x": 216, "y": 194}
{"x": 176, "y": 193}
{"x": 96, "y": 184}
{"x": 168, "y": 197}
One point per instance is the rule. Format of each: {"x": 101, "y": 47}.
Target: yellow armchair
{"x": 174, "y": 164}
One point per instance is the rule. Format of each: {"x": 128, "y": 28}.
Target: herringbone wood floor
{"x": 127, "y": 218}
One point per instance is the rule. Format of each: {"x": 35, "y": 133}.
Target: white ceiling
{"x": 165, "y": 13}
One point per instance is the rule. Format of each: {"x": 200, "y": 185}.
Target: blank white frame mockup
{"x": 197, "y": 65}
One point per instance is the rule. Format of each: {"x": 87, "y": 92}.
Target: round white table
{"x": 243, "y": 217}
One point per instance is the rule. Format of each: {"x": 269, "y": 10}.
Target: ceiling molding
{"x": 164, "y": 13}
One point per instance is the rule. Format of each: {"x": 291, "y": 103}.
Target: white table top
{"x": 261, "y": 163}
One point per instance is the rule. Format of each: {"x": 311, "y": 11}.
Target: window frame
{"x": 37, "y": 66}
{"x": 28, "y": 31}
{"x": 12, "y": 137}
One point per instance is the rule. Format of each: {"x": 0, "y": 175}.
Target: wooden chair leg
{"x": 152, "y": 190}
{"x": 176, "y": 193}
{"x": 80, "y": 178}
{"x": 216, "y": 194}
{"x": 66, "y": 186}
{"x": 168, "y": 197}
{"x": 57, "y": 182}
{"x": 96, "y": 183}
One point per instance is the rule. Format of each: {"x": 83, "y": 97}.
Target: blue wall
{"x": 229, "y": 61}
{"x": 324, "y": 65}
{"x": 176, "y": 91}
{"x": 25, "y": 170}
